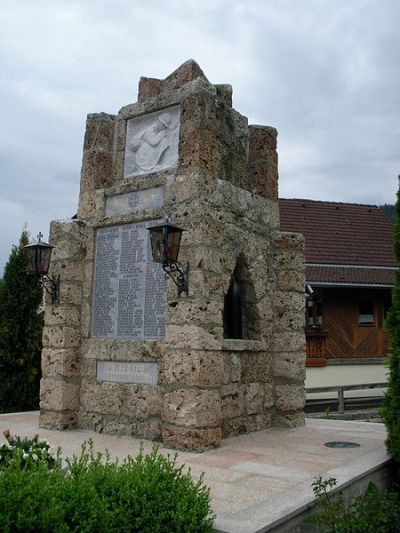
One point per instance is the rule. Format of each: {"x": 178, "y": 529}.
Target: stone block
{"x": 288, "y": 259}
{"x": 254, "y": 398}
{"x": 289, "y": 300}
{"x": 87, "y": 279}
{"x": 289, "y": 320}
{"x": 289, "y": 341}
{"x": 185, "y": 73}
{"x": 190, "y": 187}
{"x": 150, "y": 428}
{"x": 88, "y": 207}
{"x": 70, "y": 292}
{"x": 286, "y": 241}
{"x": 153, "y": 87}
{"x": 192, "y": 408}
{"x": 141, "y": 401}
{"x": 56, "y": 315}
{"x": 255, "y": 367}
{"x": 245, "y": 424}
{"x": 57, "y": 420}
{"x": 194, "y": 368}
{"x": 60, "y": 362}
{"x": 202, "y": 312}
{"x": 148, "y": 88}
{"x": 268, "y": 395}
{"x": 232, "y": 400}
{"x": 66, "y": 237}
{"x": 288, "y": 420}
{"x": 188, "y": 439}
{"x": 234, "y": 426}
{"x": 86, "y": 317}
{"x": 289, "y": 397}
{"x": 231, "y": 368}
{"x": 68, "y": 230}
{"x": 88, "y": 368}
{"x": 112, "y": 425}
{"x": 68, "y": 270}
{"x": 58, "y": 395}
{"x": 60, "y": 337}
{"x": 291, "y": 366}
{"x": 190, "y": 337}
{"x": 263, "y": 161}
{"x": 291, "y": 280}
{"x": 104, "y": 398}
{"x": 97, "y": 152}
{"x": 246, "y": 206}
{"x": 91, "y": 421}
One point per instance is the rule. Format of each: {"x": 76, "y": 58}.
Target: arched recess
{"x": 241, "y": 318}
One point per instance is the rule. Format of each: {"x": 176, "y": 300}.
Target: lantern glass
{"x": 165, "y": 242}
{"x": 157, "y": 244}
{"x": 173, "y": 243}
{"x": 38, "y": 258}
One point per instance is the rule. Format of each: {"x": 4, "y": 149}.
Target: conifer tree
{"x": 391, "y": 406}
{"x": 21, "y": 324}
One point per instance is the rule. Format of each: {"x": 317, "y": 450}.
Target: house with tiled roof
{"x": 350, "y": 271}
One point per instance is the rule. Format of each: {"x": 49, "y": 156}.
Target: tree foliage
{"x": 21, "y": 326}
{"x": 391, "y": 406}
{"x": 390, "y": 212}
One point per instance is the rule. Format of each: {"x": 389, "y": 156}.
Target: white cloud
{"x": 324, "y": 73}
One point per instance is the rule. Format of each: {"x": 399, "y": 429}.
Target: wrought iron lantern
{"x": 38, "y": 262}
{"x": 165, "y": 243}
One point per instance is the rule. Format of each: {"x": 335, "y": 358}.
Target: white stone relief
{"x": 152, "y": 142}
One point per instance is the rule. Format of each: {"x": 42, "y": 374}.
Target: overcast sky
{"x": 325, "y": 73}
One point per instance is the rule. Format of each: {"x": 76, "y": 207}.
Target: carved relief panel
{"x": 152, "y": 142}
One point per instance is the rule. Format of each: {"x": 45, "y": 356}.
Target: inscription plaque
{"x": 127, "y": 372}
{"x": 152, "y": 142}
{"x": 129, "y": 289}
{"x": 131, "y": 202}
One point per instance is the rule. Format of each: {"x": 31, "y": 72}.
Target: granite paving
{"x": 255, "y": 479}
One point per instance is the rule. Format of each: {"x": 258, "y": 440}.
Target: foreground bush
{"x": 373, "y": 512}
{"x": 24, "y": 451}
{"x": 149, "y": 493}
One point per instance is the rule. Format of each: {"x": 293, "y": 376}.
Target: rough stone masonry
{"x": 122, "y": 353}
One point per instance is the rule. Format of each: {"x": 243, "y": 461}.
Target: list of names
{"x": 129, "y": 291}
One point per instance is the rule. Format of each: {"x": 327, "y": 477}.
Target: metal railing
{"x": 341, "y": 388}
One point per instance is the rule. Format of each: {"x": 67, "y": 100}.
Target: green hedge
{"x": 148, "y": 493}
{"x": 373, "y": 512}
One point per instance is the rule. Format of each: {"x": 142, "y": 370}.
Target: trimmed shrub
{"x": 372, "y": 512}
{"x": 24, "y": 451}
{"x": 148, "y": 493}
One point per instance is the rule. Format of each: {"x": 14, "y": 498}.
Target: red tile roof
{"x": 337, "y": 235}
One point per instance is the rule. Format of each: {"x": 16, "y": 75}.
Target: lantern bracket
{"x": 51, "y": 285}
{"x": 178, "y": 273}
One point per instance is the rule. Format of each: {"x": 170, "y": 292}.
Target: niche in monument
{"x": 129, "y": 293}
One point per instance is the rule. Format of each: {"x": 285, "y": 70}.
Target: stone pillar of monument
{"x": 125, "y": 354}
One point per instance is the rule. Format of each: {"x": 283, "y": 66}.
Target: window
{"x": 233, "y": 319}
{"x": 314, "y": 314}
{"x": 365, "y": 312}
{"x": 240, "y": 316}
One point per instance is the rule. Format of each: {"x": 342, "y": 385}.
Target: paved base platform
{"x": 260, "y": 481}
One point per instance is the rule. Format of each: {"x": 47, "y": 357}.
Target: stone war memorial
{"x": 123, "y": 353}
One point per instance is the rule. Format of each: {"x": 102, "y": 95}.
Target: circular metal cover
{"x": 342, "y": 444}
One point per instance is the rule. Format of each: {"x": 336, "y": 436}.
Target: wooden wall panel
{"x": 345, "y": 337}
